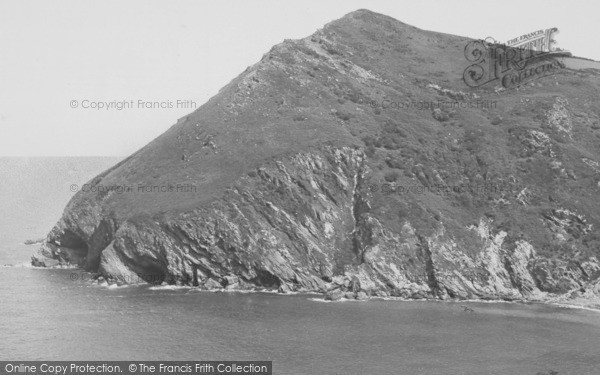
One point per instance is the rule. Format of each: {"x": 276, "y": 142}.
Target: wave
{"x": 23, "y": 265}
{"x": 469, "y": 301}
{"x": 322, "y": 299}
{"x": 106, "y": 285}
{"x": 575, "y": 307}
{"x": 170, "y": 287}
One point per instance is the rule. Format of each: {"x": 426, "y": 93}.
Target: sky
{"x": 59, "y": 60}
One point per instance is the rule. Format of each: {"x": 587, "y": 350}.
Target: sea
{"x": 57, "y": 314}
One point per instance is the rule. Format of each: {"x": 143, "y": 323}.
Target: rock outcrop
{"x": 324, "y": 167}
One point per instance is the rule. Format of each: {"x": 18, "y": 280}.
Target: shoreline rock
{"x": 337, "y": 295}
{"x": 333, "y": 193}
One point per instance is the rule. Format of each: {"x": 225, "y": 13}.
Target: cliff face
{"x": 322, "y": 168}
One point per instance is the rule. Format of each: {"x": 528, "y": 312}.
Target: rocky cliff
{"x": 335, "y": 164}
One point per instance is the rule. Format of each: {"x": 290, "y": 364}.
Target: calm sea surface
{"x": 54, "y": 315}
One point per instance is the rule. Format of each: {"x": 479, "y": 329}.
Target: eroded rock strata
{"x": 303, "y": 175}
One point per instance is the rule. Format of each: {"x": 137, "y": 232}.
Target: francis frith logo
{"x": 515, "y": 62}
